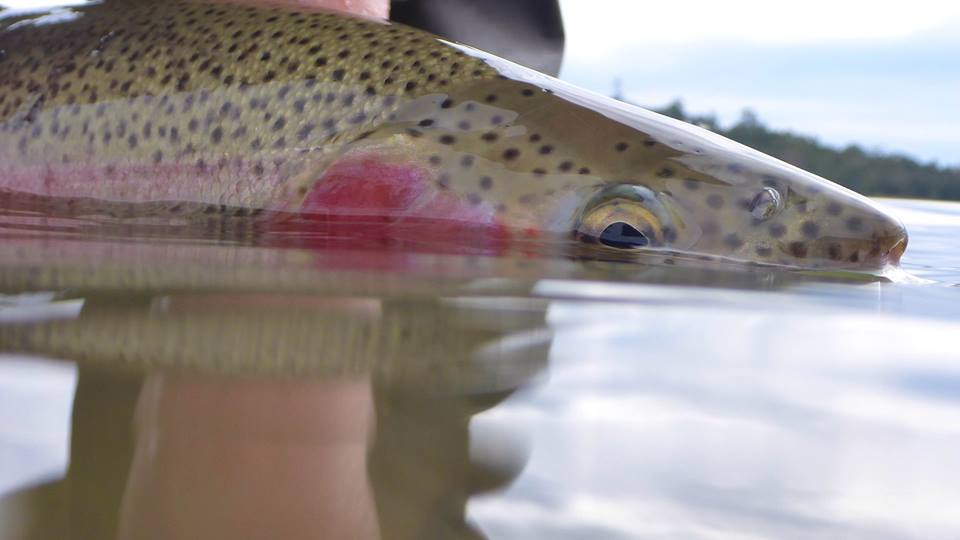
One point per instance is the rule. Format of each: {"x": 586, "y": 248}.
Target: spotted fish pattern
{"x": 189, "y": 109}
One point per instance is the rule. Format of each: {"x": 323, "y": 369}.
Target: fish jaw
{"x": 812, "y": 223}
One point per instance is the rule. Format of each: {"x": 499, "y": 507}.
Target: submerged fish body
{"x": 187, "y": 109}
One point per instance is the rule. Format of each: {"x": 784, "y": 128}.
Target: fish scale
{"x": 185, "y": 109}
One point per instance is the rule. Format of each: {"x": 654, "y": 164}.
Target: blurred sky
{"x": 883, "y": 74}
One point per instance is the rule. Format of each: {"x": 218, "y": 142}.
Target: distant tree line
{"x": 864, "y": 171}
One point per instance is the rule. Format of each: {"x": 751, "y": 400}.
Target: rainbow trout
{"x": 185, "y": 110}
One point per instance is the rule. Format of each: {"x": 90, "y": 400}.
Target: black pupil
{"x": 623, "y": 235}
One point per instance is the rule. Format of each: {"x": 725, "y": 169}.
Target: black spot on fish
{"x": 511, "y": 154}
{"x": 797, "y": 249}
{"x": 777, "y": 230}
{"x": 809, "y": 229}
{"x": 715, "y": 201}
{"x": 855, "y": 224}
{"x": 305, "y": 131}
{"x": 834, "y": 252}
{"x": 669, "y": 234}
{"x": 486, "y": 183}
{"x": 621, "y": 146}
{"x": 732, "y": 241}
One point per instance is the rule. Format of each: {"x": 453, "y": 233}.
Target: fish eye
{"x": 623, "y": 236}
{"x": 766, "y": 204}
{"x": 621, "y": 223}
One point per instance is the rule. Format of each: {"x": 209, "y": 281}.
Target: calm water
{"x": 187, "y": 387}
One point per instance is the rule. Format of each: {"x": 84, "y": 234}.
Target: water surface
{"x": 158, "y": 384}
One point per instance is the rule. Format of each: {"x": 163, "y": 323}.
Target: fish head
{"x": 544, "y": 156}
{"x": 697, "y": 192}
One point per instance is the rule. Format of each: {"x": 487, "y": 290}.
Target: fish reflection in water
{"x": 271, "y": 416}
{"x": 236, "y": 341}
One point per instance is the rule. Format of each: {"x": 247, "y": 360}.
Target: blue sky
{"x": 884, "y": 75}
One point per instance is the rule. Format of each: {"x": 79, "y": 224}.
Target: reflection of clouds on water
{"x": 782, "y": 420}
{"x": 35, "y": 400}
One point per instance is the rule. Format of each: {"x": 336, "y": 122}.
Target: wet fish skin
{"x": 182, "y": 109}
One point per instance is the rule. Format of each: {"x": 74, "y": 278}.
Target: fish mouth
{"x": 897, "y": 250}
{"x": 886, "y": 247}
{"x": 893, "y": 243}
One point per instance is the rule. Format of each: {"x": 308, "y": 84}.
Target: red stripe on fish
{"x": 399, "y": 201}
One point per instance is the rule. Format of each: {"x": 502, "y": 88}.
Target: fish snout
{"x": 885, "y": 244}
{"x": 891, "y": 244}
